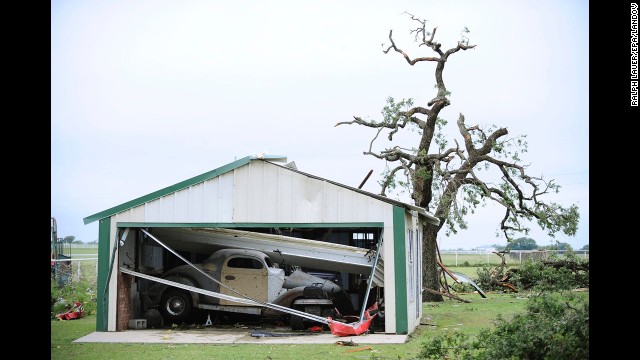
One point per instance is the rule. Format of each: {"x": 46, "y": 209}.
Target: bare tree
{"x": 447, "y": 181}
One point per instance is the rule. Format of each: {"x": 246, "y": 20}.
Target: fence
{"x": 487, "y": 257}
{"x": 80, "y": 263}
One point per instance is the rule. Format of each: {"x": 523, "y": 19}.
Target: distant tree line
{"x": 525, "y": 243}
{"x": 73, "y": 240}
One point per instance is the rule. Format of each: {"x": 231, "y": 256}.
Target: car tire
{"x": 175, "y": 306}
{"x": 297, "y": 322}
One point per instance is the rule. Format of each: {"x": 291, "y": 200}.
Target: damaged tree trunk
{"x": 430, "y": 265}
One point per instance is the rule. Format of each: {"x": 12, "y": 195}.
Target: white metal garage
{"x": 257, "y": 195}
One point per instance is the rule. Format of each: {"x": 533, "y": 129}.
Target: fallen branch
{"x": 359, "y": 349}
{"x": 447, "y": 271}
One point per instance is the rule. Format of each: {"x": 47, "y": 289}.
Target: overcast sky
{"x": 148, "y": 93}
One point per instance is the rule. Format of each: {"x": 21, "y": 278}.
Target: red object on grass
{"x": 76, "y": 312}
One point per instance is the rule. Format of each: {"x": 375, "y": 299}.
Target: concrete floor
{"x": 233, "y": 336}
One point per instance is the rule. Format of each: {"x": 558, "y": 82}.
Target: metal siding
{"x": 271, "y": 194}
{"x": 152, "y": 211}
{"x": 210, "y": 199}
{"x": 376, "y": 209}
{"x": 242, "y": 185}
{"x": 167, "y": 208}
{"x": 331, "y": 203}
{"x": 137, "y": 213}
{"x": 347, "y": 205}
{"x": 196, "y": 202}
{"x": 256, "y": 187}
{"x": 298, "y": 185}
{"x": 360, "y": 208}
{"x": 181, "y": 212}
{"x": 284, "y": 188}
{"x": 225, "y": 198}
{"x": 313, "y": 200}
{"x": 261, "y": 192}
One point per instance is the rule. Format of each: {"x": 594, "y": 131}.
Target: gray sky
{"x": 145, "y": 94}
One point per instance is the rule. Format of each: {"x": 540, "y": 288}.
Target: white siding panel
{"x": 196, "y": 202}
{"x": 314, "y": 200}
{"x": 242, "y": 194}
{"x": 297, "y": 189}
{"x": 346, "y": 206}
{"x": 270, "y": 194}
{"x": 181, "y": 206}
{"x": 167, "y": 208}
{"x": 330, "y": 209}
{"x": 307, "y": 196}
{"x": 285, "y": 203}
{"x": 152, "y": 211}
{"x": 137, "y": 214}
{"x": 226, "y": 193}
{"x": 360, "y": 208}
{"x": 377, "y": 209}
{"x": 255, "y": 187}
{"x": 210, "y": 199}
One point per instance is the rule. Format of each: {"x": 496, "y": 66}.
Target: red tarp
{"x": 342, "y": 329}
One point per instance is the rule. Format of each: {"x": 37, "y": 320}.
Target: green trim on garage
{"x": 252, "y": 225}
{"x": 400, "y": 273}
{"x": 104, "y": 251}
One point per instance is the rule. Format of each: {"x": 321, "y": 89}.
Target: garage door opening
{"x": 320, "y": 271}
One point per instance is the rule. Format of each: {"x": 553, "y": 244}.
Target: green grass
{"x": 469, "y": 318}
{"x": 470, "y": 271}
{"x": 84, "y": 251}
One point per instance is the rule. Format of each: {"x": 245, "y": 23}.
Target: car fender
{"x": 285, "y": 299}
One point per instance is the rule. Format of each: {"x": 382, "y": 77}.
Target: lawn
{"x": 438, "y": 318}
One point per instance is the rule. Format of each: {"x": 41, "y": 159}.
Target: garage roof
{"x": 234, "y": 165}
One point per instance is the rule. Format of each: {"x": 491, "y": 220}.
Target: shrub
{"x": 555, "y": 326}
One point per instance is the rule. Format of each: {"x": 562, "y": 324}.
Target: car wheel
{"x": 297, "y": 322}
{"x": 175, "y": 306}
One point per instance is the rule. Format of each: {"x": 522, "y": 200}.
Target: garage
{"x": 291, "y": 238}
